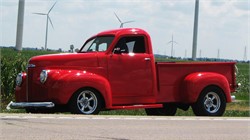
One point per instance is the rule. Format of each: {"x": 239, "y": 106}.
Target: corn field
{"x": 12, "y": 63}
{"x": 243, "y": 92}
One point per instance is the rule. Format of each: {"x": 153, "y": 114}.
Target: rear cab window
{"x": 133, "y": 44}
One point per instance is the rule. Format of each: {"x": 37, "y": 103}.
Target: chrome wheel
{"x": 87, "y": 102}
{"x": 212, "y": 102}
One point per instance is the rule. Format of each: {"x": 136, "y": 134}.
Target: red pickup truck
{"x": 116, "y": 69}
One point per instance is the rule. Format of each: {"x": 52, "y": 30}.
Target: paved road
{"x": 74, "y": 127}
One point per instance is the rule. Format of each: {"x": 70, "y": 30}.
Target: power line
{"x": 172, "y": 46}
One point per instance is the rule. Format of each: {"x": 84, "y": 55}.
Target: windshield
{"x": 97, "y": 44}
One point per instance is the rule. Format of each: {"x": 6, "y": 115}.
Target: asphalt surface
{"x": 74, "y": 127}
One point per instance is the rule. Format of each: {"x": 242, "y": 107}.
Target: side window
{"x": 92, "y": 48}
{"x": 135, "y": 44}
{"x": 103, "y": 47}
{"x": 98, "y": 44}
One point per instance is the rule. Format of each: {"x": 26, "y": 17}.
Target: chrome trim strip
{"x": 16, "y": 105}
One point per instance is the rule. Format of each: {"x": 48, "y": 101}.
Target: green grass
{"x": 231, "y": 111}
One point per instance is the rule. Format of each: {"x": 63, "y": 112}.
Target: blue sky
{"x": 223, "y": 24}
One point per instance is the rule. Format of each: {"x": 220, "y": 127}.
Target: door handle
{"x": 147, "y": 59}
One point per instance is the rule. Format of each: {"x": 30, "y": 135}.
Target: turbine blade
{"x": 129, "y": 21}
{"x": 39, "y": 13}
{"x": 118, "y": 18}
{"x": 169, "y": 42}
{"x": 51, "y": 22}
{"x": 52, "y": 7}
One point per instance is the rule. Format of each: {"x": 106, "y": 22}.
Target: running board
{"x": 137, "y": 106}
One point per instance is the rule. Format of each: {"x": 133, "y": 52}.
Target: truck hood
{"x": 65, "y": 59}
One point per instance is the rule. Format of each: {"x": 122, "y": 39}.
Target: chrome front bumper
{"x": 18, "y": 105}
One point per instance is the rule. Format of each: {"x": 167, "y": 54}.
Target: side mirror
{"x": 117, "y": 51}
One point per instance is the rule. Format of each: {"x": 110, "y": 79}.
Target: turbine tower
{"x": 185, "y": 54}
{"x": 48, "y": 20}
{"x": 20, "y": 20}
{"x": 218, "y": 54}
{"x": 122, "y": 23}
{"x": 245, "y": 54}
{"x": 195, "y": 32}
{"x": 172, "y": 46}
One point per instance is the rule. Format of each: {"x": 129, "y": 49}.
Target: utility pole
{"x": 195, "y": 33}
{"x": 20, "y": 19}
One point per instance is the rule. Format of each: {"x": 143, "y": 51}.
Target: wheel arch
{"x": 195, "y": 83}
{"x": 214, "y": 86}
{"x": 68, "y": 83}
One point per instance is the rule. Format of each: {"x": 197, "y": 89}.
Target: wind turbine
{"x": 122, "y": 23}
{"x": 48, "y": 20}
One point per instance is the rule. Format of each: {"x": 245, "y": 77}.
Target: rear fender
{"x": 194, "y": 84}
{"x": 64, "y": 83}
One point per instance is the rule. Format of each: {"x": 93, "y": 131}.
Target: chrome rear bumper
{"x": 18, "y": 105}
{"x": 233, "y": 98}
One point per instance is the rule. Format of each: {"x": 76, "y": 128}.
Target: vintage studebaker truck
{"x": 116, "y": 69}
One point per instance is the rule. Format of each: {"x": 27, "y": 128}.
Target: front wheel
{"x": 86, "y": 101}
{"x": 211, "y": 102}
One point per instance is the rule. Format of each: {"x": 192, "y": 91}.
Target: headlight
{"x": 19, "y": 79}
{"x": 43, "y": 76}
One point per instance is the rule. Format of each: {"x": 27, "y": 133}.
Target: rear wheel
{"x": 211, "y": 102}
{"x": 167, "y": 110}
{"x": 86, "y": 101}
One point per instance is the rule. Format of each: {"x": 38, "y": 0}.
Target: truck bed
{"x": 170, "y": 76}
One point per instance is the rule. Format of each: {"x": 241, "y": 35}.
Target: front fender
{"x": 194, "y": 83}
{"x": 64, "y": 83}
